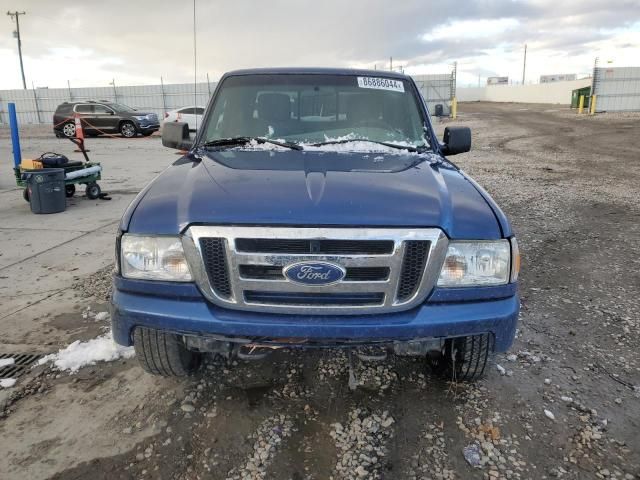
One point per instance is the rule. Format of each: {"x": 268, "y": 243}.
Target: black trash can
{"x": 439, "y": 110}
{"x": 46, "y": 190}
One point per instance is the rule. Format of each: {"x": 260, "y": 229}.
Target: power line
{"x": 16, "y": 15}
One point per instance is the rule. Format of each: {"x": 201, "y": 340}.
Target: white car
{"x": 191, "y": 115}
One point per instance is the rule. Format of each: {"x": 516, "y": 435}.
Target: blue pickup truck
{"x": 315, "y": 208}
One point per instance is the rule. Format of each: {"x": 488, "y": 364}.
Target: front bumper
{"x": 181, "y": 308}
{"x": 148, "y": 127}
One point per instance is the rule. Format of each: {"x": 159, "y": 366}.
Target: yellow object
{"x": 592, "y": 105}
{"x": 581, "y": 104}
{"x": 31, "y": 164}
{"x": 454, "y": 107}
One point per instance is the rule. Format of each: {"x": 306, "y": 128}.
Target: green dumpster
{"x": 577, "y": 93}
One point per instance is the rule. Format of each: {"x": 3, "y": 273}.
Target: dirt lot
{"x": 564, "y": 403}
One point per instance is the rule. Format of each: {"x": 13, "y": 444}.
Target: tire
{"x": 25, "y": 195}
{"x": 93, "y": 191}
{"x": 69, "y": 129}
{"x": 464, "y": 359}
{"x": 128, "y": 129}
{"x": 165, "y": 354}
{"x": 69, "y": 190}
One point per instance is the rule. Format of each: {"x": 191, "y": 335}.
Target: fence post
{"x": 69, "y": 88}
{"x": 35, "y": 100}
{"x": 454, "y": 108}
{"x": 164, "y": 102}
{"x": 208, "y": 85}
{"x": 15, "y": 138}
{"x": 581, "y": 104}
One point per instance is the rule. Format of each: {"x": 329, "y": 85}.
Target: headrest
{"x": 274, "y": 107}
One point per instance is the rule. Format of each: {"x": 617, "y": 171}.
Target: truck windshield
{"x": 315, "y": 108}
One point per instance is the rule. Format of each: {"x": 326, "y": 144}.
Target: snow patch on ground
{"x": 80, "y": 354}
{"x": 7, "y": 382}
{"x": 5, "y": 362}
{"x": 101, "y": 316}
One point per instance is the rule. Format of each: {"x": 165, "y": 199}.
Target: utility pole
{"x": 524, "y": 65}
{"x": 17, "y": 14}
{"x": 391, "y": 64}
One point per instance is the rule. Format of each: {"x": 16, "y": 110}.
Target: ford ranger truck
{"x": 315, "y": 208}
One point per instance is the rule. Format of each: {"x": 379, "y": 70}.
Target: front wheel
{"x": 464, "y": 359}
{"x": 128, "y": 130}
{"x": 93, "y": 191}
{"x": 164, "y": 354}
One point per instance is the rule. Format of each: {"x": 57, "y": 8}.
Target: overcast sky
{"x": 89, "y": 43}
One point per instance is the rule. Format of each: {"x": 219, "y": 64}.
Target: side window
{"x": 84, "y": 108}
{"x": 199, "y": 110}
{"x": 101, "y": 109}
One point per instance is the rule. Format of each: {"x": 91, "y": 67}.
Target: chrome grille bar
{"x": 384, "y": 291}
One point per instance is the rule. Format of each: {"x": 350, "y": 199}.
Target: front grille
{"x": 415, "y": 257}
{"x": 314, "y": 299}
{"x": 386, "y": 270}
{"x": 354, "y": 274}
{"x": 327, "y": 247}
{"x": 215, "y": 261}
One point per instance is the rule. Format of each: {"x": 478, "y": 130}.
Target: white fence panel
{"x": 437, "y": 89}
{"x": 38, "y": 106}
{"x": 617, "y": 89}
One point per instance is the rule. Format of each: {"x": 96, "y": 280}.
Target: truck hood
{"x": 313, "y": 188}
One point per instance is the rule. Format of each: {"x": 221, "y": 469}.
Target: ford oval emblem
{"x": 314, "y": 273}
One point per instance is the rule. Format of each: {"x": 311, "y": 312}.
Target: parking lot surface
{"x": 563, "y": 403}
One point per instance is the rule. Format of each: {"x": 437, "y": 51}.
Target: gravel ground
{"x": 563, "y": 403}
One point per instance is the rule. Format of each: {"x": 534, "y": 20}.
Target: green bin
{"x": 47, "y": 190}
{"x": 577, "y": 93}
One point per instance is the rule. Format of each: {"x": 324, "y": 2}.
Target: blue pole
{"x": 15, "y": 138}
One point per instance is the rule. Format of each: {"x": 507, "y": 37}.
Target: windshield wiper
{"x": 408, "y": 148}
{"x": 235, "y": 141}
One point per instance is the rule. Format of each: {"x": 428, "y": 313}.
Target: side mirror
{"x": 456, "y": 140}
{"x": 176, "y": 135}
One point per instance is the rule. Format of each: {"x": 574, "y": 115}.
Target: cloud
{"x": 137, "y": 42}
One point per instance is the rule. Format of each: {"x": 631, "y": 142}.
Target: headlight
{"x": 476, "y": 263}
{"x": 154, "y": 258}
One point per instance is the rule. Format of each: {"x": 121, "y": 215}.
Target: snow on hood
{"x": 359, "y": 145}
